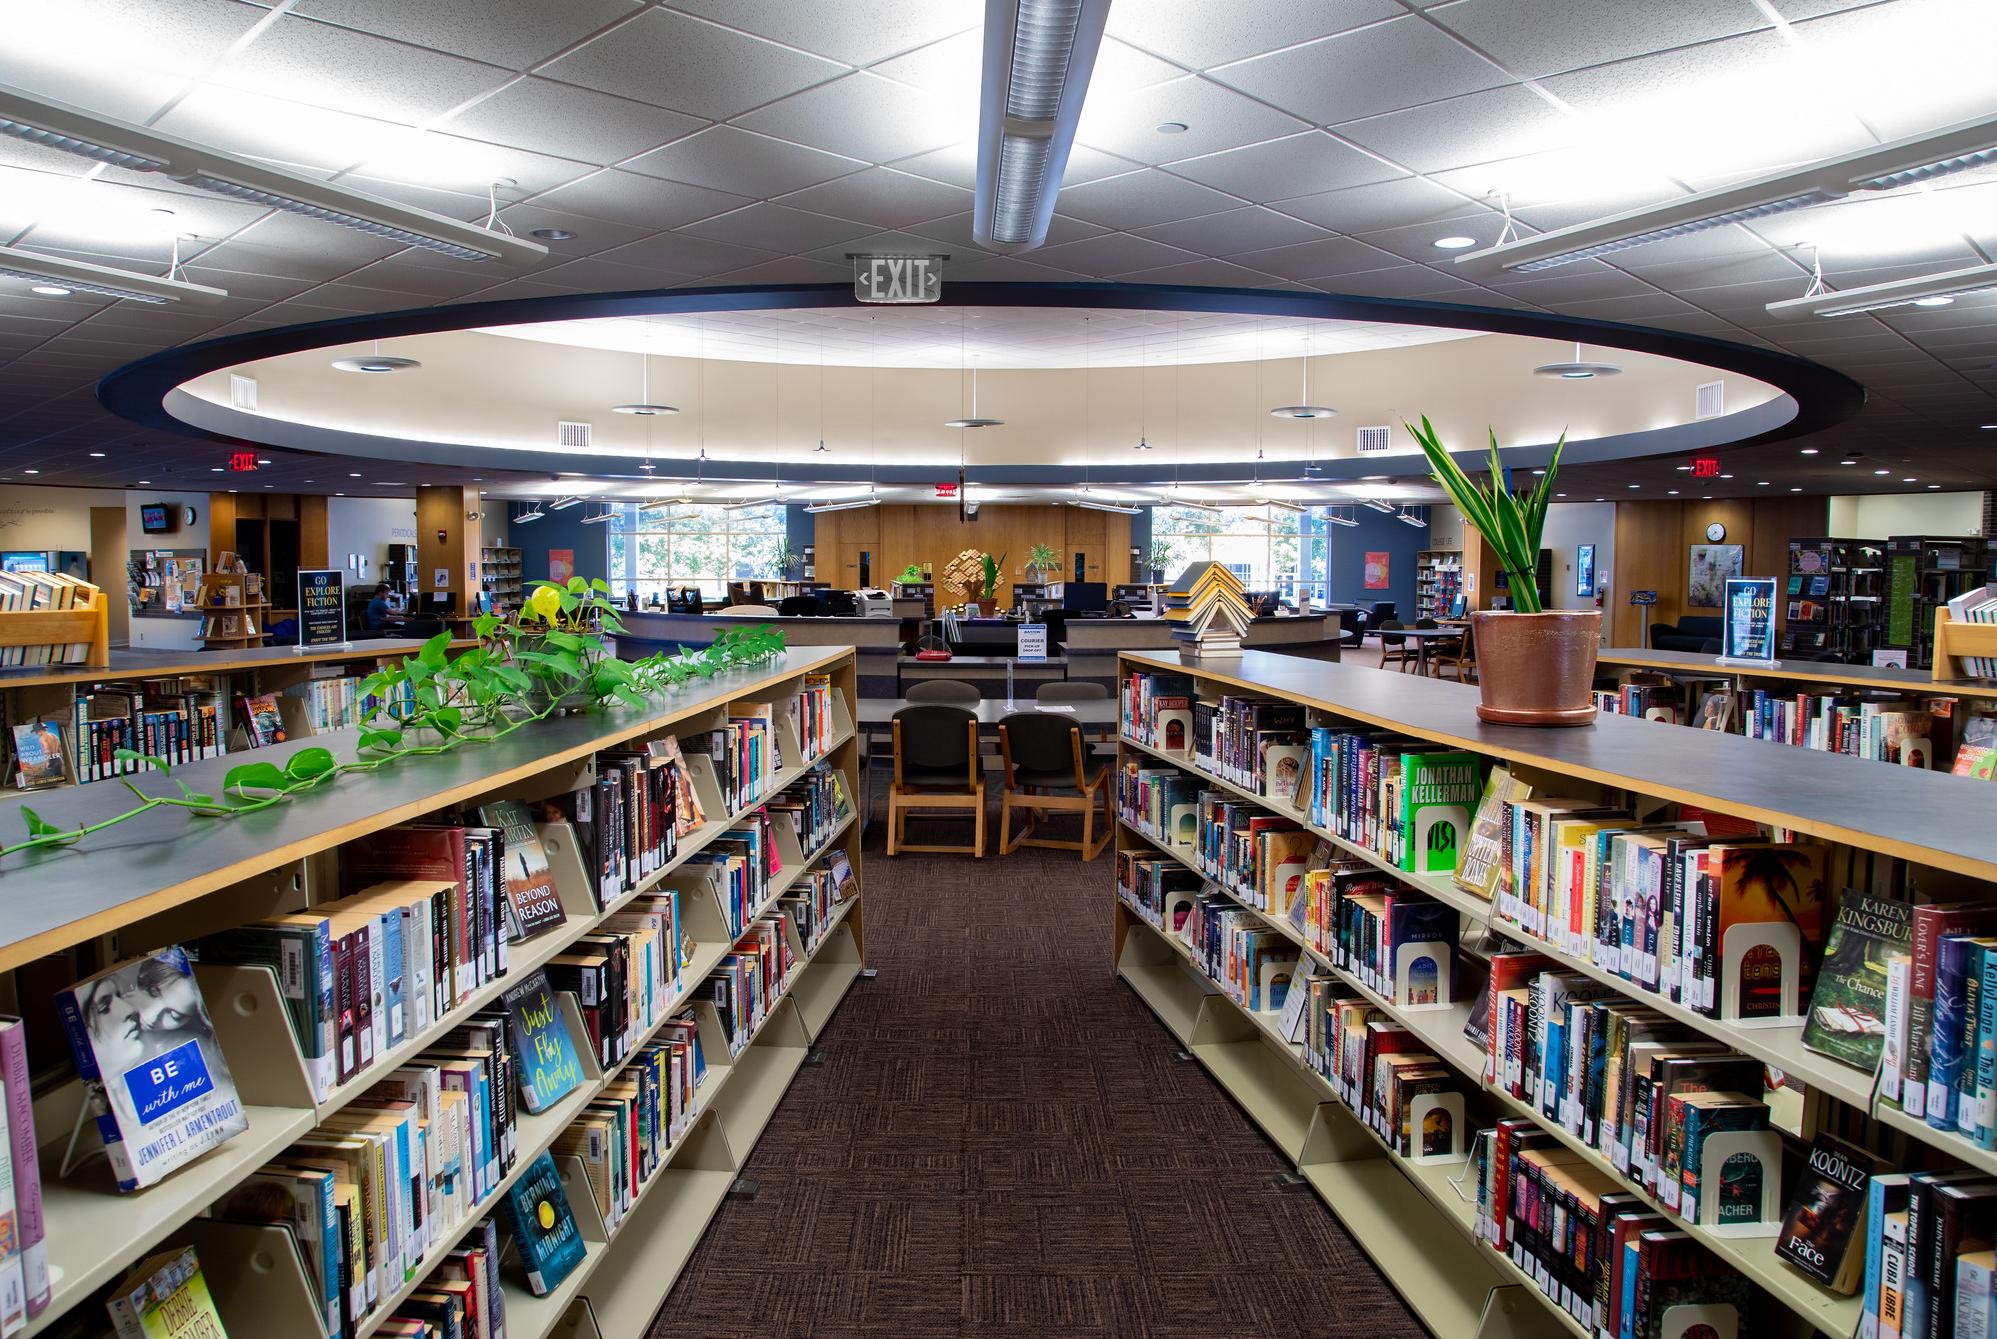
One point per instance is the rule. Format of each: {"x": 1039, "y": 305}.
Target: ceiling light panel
{"x": 1038, "y": 57}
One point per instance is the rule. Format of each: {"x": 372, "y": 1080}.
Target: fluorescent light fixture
{"x": 1280, "y": 503}
{"x": 745, "y": 503}
{"x": 81, "y": 276}
{"x": 104, "y": 139}
{"x": 1376, "y": 504}
{"x": 564, "y": 504}
{"x": 1038, "y": 57}
{"x": 1885, "y": 167}
{"x": 1199, "y": 507}
{"x": 1882, "y": 297}
{"x": 535, "y": 515}
{"x": 1339, "y": 518}
{"x": 1409, "y": 518}
{"x": 609, "y": 513}
{"x": 819, "y": 509}
{"x": 1088, "y": 505}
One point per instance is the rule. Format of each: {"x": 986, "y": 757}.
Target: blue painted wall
{"x": 1376, "y": 532}
{"x": 559, "y": 530}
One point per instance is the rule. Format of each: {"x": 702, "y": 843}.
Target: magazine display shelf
{"x": 1926, "y": 818}
{"x": 166, "y": 877}
{"x": 89, "y": 624}
{"x": 1955, "y": 639}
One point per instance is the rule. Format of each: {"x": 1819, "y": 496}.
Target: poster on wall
{"x": 561, "y": 565}
{"x": 1376, "y": 571}
{"x": 1584, "y": 571}
{"x": 440, "y": 578}
{"x": 1713, "y": 565}
{"x": 322, "y": 606}
{"x": 1748, "y": 629}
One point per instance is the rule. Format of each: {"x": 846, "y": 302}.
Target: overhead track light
{"x": 820, "y": 508}
{"x": 80, "y": 276}
{"x": 1904, "y": 162}
{"x": 1038, "y": 57}
{"x": 1088, "y": 505}
{"x": 105, "y": 139}
{"x": 1898, "y": 293}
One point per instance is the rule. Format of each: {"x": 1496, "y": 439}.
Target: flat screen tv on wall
{"x": 156, "y": 518}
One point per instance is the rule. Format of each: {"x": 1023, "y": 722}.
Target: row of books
{"x": 1399, "y": 943}
{"x": 629, "y": 820}
{"x": 1652, "y": 702}
{"x": 1930, "y": 1270}
{"x": 747, "y": 761}
{"x": 335, "y": 703}
{"x": 626, "y": 976}
{"x": 811, "y": 715}
{"x": 625, "y": 1132}
{"x": 1378, "y": 1069}
{"x": 813, "y": 806}
{"x": 1939, "y": 963}
{"x": 1884, "y": 731}
{"x": 21, "y": 592}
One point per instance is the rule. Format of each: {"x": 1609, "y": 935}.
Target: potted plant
{"x": 1040, "y": 560}
{"x": 992, "y": 570}
{"x": 1534, "y": 666}
{"x": 1161, "y": 554}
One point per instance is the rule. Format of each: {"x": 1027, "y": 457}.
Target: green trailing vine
{"x": 552, "y": 658}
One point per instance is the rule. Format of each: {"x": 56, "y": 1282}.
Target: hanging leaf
{"x": 39, "y": 826}
{"x": 308, "y": 764}
{"x": 150, "y": 760}
{"x": 255, "y": 776}
{"x": 435, "y": 650}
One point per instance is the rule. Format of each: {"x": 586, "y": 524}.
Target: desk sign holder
{"x": 1033, "y": 641}
{"x": 322, "y": 608}
{"x": 1747, "y": 631}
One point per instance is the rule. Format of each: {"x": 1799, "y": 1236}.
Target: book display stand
{"x": 1932, "y": 821}
{"x": 181, "y": 877}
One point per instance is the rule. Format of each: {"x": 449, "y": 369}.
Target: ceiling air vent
{"x": 1709, "y": 400}
{"x": 242, "y": 392}
{"x": 1375, "y": 441}
{"x": 574, "y": 435}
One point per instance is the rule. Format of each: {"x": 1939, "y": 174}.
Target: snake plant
{"x": 1510, "y": 522}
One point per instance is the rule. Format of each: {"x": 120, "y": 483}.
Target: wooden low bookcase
{"x": 86, "y": 624}
{"x": 166, "y": 878}
{"x": 1411, "y": 1216}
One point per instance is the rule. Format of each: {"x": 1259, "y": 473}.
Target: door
{"x": 108, "y": 555}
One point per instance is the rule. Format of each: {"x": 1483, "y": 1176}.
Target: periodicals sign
{"x": 1748, "y": 633}
{"x": 1033, "y": 641}
{"x": 322, "y": 606}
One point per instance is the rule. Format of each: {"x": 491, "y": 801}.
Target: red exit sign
{"x": 1705, "y": 467}
{"x": 946, "y": 490}
{"x": 243, "y": 462}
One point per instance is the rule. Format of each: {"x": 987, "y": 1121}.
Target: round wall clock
{"x": 187, "y": 516}
{"x": 1716, "y": 532}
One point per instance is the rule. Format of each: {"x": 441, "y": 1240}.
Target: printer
{"x": 874, "y": 602}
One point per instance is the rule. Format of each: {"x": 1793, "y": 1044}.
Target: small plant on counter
{"x": 1042, "y": 559}
{"x": 553, "y": 657}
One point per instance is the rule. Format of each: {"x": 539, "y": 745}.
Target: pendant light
{"x": 1303, "y": 409}
{"x": 1577, "y": 370}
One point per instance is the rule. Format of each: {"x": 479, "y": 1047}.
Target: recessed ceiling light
{"x": 354, "y": 476}
{"x": 377, "y": 363}
{"x": 1990, "y": 427}
{"x": 263, "y": 460}
{"x": 1847, "y": 462}
{"x": 1560, "y": 495}
{"x": 145, "y": 483}
{"x": 1455, "y": 243}
{"x": 1938, "y": 300}
{"x": 1910, "y": 479}
{"x": 214, "y": 469}
{"x": 1934, "y": 485}
{"x": 1636, "y": 485}
{"x": 552, "y": 234}
{"x": 644, "y": 410}
{"x": 1795, "y": 490}
{"x": 1684, "y": 468}
{"x": 1882, "y": 471}
{"x": 1672, "y": 492}
{"x": 1761, "y": 483}
{"x": 49, "y": 290}
{"x": 1539, "y": 471}
{"x": 1172, "y": 127}
{"x": 31, "y": 471}
{"x": 1807, "y": 451}
{"x": 1726, "y": 476}
{"x": 97, "y": 455}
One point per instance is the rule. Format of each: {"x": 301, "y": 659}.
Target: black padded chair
{"x": 953, "y": 691}
{"x": 936, "y": 770}
{"x": 1395, "y": 653}
{"x": 798, "y": 606}
{"x": 1063, "y": 691}
{"x": 1044, "y": 760}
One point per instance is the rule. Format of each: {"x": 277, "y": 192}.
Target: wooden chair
{"x": 1044, "y": 754}
{"x": 935, "y": 771}
{"x": 1456, "y": 660}
{"x": 1395, "y": 652}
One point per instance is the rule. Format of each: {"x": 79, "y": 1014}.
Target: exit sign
{"x": 897, "y": 279}
{"x": 946, "y": 490}
{"x": 243, "y": 462}
{"x": 1705, "y": 467}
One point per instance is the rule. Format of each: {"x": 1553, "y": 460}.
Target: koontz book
{"x": 1847, "y": 1018}
{"x": 549, "y": 1067}
{"x": 531, "y": 901}
{"x": 145, "y": 1049}
{"x": 536, "y": 1212}
{"x": 1820, "y": 1229}
{"x": 165, "y": 1298}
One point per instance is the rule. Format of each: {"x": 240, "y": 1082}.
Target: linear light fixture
{"x": 81, "y": 276}
{"x": 564, "y": 504}
{"x": 665, "y": 503}
{"x": 1088, "y": 504}
{"x": 609, "y": 513}
{"x": 1339, "y": 518}
{"x": 1406, "y": 517}
{"x": 1898, "y": 293}
{"x": 748, "y": 502}
{"x": 1376, "y": 504}
{"x": 534, "y": 515}
{"x": 1885, "y": 167}
{"x": 820, "y": 508}
{"x": 1038, "y": 57}
{"x": 105, "y": 139}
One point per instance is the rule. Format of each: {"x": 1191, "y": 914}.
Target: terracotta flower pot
{"x": 1537, "y": 669}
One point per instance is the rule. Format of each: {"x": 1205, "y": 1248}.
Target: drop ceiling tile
{"x": 858, "y": 32}
{"x": 289, "y": 245}
{"x": 597, "y": 275}
{"x": 1582, "y": 281}
{"x": 1112, "y": 254}
{"x": 1409, "y": 281}
{"x": 1198, "y": 33}
{"x": 691, "y": 66}
{"x": 402, "y": 276}
{"x": 120, "y": 57}
{"x": 1416, "y": 242}
{"x": 1310, "y": 261}
{"x": 769, "y": 227}
{"x": 681, "y": 253}
{"x": 882, "y": 197}
{"x": 512, "y": 33}
{"x": 1215, "y": 118}
{"x": 1900, "y": 65}
{"x": 336, "y": 68}
{"x": 1535, "y": 38}
{"x": 571, "y": 122}
{"x": 1122, "y": 69}
{"x": 641, "y": 201}
{"x": 1305, "y": 164}
{"x": 317, "y": 141}
{"x": 1233, "y": 231}
{"x": 448, "y": 164}
{"x": 728, "y": 158}
{"x": 1385, "y": 204}
{"x": 1141, "y": 200}
{"x": 1374, "y": 65}
{"x": 1675, "y": 275}
{"x": 1636, "y": 309}
{"x": 1207, "y": 273}
{"x": 867, "y": 117}
{"x": 786, "y": 270}
{"x": 876, "y": 244}
{"x": 591, "y": 234}
{"x": 1507, "y": 122}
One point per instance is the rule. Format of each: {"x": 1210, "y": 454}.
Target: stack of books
{"x": 1208, "y": 611}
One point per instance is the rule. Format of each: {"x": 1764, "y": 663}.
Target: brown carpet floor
{"x": 1000, "y": 1144}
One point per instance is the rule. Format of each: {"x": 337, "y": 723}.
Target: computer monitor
{"x": 1085, "y": 597}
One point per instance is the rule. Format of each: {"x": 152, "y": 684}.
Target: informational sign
{"x": 322, "y": 606}
{"x": 1890, "y": 659}
{"x": 1584, "y": 570}
{"x": 946, "y": 490}
{"x": 1747, "y": 635}
{"x": 440, "y": 578}
{"x": 898, "y": 279}
{"x": 1643, "y": 597}
{"x": 1033, "y": 641}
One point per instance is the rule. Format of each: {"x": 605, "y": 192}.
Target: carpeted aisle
{"x": 1000, "y": 1143}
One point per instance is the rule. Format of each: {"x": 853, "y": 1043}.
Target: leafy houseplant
{"x": 1041, "y": 559}
{"x": 1161, "y": 556}
{"x": 994, "y": 568}
{"x": 1534, "y": 666}
{"x": 910, "y": 574}
{"x": 552, "y": 658}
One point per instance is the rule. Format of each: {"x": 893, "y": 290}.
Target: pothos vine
{"x": 553, "y": 657}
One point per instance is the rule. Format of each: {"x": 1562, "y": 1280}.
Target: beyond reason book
{"x": 152, "y": 1070}
{"x": 532, "y": 905}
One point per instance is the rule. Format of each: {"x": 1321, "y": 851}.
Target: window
{"x": 1258, "y": 544}
{"x": 653, "y": 551}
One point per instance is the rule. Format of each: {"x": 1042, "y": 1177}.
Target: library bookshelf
{"x": 129, "y": 891}
{"x": 1927, "y": 819}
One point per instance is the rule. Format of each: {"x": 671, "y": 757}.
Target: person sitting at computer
{"x": 381, "y": 609}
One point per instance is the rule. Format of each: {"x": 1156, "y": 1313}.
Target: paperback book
{"x": 38, "y": 757}
{"x": 1820, "y": 1229}
{"x": 532, "y": 905}
{"x": 536, "y": 1211}
{"x": 1847, "y": 1018}
{"x": 549, "y": 1067}
{"x": 166, "y": 1297}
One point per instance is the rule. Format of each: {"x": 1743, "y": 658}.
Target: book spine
{"x": 1945, "y": 1044}
{"x": 1983, "y": 1118}
{"x": 27, "y": 1170}
{"x": 1920, "y": 1012}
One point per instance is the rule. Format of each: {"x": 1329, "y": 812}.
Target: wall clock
{"x": 187, "y": 516}
{"x": 1715, "y": 532}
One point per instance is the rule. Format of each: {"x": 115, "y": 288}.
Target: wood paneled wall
{"x": 902, "y": 534}
{"x": 1654, "y": 550}
{"x": 446, "y": 539}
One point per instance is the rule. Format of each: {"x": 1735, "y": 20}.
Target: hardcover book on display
{"x": 153, "y": 1072}
{"x": 38, "y": 756}
{"x": 536, "y": 1211}
{"x": 1847, "y": 1018}
{"x": 532, "y": 905}
{"x": 166, "y": 1297}
{"x": 549, "y": 1067}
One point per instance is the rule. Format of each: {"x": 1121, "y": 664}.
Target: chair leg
{"x": 978, "y": 830}
{"x": 894, "y": 820}
{"x": 1006, "y": 844}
